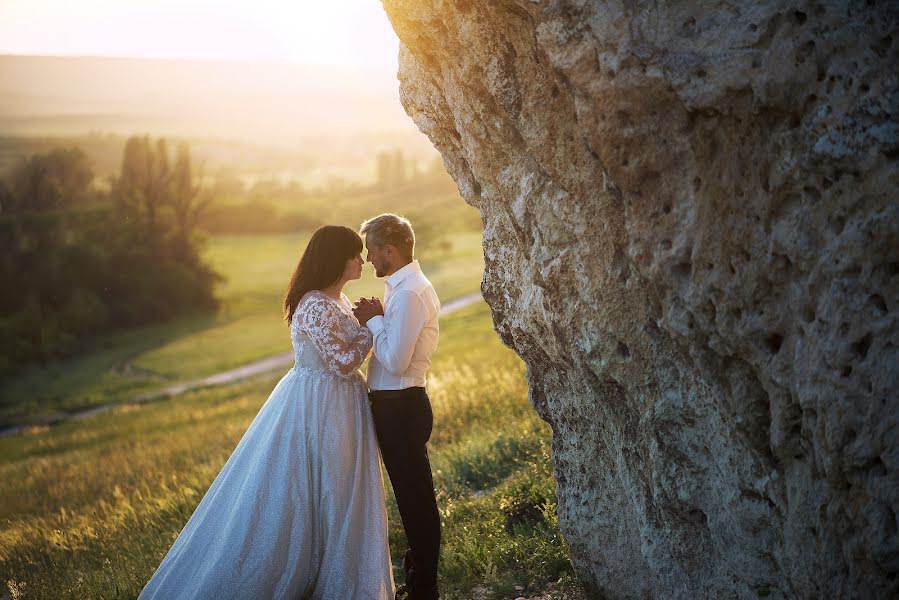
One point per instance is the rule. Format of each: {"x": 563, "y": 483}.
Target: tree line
{"x": 78, "y": 258}
{"x": 285, "y": 206}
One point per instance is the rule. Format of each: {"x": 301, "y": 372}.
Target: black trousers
{"x": 403, "y": 422}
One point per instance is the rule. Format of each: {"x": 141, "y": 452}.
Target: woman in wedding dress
{"x": 298, "y": 509}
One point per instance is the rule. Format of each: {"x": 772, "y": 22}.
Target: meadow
{"x": 248, "y": 326}
{"x": 90, "y": 507}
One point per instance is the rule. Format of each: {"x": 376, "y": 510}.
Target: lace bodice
{"x": 327, "y": 337}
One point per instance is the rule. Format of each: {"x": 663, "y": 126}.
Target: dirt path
{"x": 253, "y": 369}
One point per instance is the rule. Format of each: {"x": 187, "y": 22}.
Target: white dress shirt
{"x": 406, "y": 336}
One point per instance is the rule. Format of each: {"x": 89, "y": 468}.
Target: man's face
{"x": 380, "y": 258}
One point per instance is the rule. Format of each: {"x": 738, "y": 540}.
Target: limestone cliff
{"x": 691, "y": 234}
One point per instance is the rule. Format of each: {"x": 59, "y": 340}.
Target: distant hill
{"x": 253, "y": 118}
{"x": 63, "y": 96}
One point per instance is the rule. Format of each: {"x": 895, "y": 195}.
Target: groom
{"x": 405, "y": 335}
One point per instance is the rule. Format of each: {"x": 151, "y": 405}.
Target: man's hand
{"x": 367, "y": 308}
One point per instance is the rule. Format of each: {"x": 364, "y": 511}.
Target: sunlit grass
{"x": 219, "y": 348}
{"x": 90, "y": 507}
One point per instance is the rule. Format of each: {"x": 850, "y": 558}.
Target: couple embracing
{"x": 298, "y": 509}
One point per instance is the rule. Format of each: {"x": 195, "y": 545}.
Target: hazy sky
{"x": 354, "y": 33}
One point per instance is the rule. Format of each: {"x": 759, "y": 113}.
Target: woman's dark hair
{"x": 322, "y": 263}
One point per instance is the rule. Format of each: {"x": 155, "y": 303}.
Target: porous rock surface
{"x": 691, "y": 234}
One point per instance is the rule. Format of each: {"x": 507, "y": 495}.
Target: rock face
{"x": 691, "y": 234}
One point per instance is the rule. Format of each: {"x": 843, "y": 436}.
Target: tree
{"x": 159, "y": 179}
{"x": 186, "y": 198}
{"x": 399, "y": 168}
{"x": 130, "y": 187}
{"x": 152, "y": 191}
{"x": 69, "y": 274}
{"x": 384, "y": 170}
{"x": 57, "y": 179}
{"x": 6, "y": 198}
{"x": 391, "y": 169}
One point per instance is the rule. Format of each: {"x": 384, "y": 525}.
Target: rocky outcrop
{"x": 691, "y": 234}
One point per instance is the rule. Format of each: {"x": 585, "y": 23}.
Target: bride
{"x": 298, "y": 509}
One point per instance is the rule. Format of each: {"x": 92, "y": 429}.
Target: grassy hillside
{"x": 90, "y": 507}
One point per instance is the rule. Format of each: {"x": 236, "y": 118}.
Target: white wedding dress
{"x": 298, "y": 509}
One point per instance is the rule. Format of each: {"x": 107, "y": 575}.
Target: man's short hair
{"x": 390, "y": 229}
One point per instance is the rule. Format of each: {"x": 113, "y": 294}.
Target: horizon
{"x": 372, "y": 69}
{"x": 247, "y": 99}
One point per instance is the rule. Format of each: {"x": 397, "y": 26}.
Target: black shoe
{"x": 409, "y": 572}
{"x": 407, "y": 563}
{"x": 424, "y": 593}
{"x": 402, "y": 593}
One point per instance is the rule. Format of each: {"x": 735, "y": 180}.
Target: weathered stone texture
{"x": 691, "y": 234}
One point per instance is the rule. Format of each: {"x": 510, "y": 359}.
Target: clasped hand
{"x": 366, "y": 308}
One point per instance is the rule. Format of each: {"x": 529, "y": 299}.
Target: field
{"x": 249, "y": 326}
{"x": 90, "y": 507}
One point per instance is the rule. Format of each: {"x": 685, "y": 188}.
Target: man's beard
{"x": 379, "y": 273}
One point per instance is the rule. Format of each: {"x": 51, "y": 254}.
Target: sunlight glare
{"x": 348, "y": 33}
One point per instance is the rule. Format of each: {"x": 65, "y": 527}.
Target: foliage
{"x": 50, "y": 181}
{"x": 77, "y": 261}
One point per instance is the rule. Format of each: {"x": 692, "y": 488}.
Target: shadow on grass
{"x": 99, "y": 376}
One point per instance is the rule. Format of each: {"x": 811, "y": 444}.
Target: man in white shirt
{"x": 405, "y": 335}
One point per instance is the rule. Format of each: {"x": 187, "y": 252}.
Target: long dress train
{"x": 298, "y": 509}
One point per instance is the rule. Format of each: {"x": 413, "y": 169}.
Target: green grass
{"x": 89, "y": 508}
{"x": 249, "y": 326}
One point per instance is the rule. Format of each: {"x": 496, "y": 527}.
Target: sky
{"x": 346, "y": 33}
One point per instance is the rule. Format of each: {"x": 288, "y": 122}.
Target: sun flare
{"x": 351, "y": 33}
